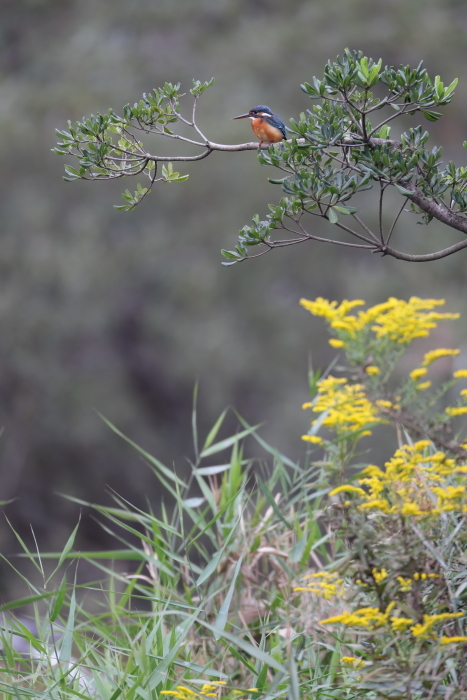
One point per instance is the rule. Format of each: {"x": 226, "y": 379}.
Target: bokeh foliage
{"x": 121, "y": 313}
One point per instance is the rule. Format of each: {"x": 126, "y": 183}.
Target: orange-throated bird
{"x": 266, "y": 125}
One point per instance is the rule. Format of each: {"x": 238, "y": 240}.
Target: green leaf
{"x": 214, "y": 430}
{"x": 221, "y": 619}
{"x": 230, "y": 255}
{"x": 431, "y": 116}
{"x": 344, "y": 210}
{"x": 364, "y": 67}
{"x": 210, "y": 471}
{"x": 167, "y": 170}
{"x": 66, "y": 550}
{"x": 213, "y": 564}
{"x": 450, "y": 88}
{"x": 228, "y": 442}
{"x": 22, "y": 602}
{"x": 332, "y": 216}
{"x": 67, "y": 641}
{"x": 403, "y": 190}
{"x": 59, "y": 601}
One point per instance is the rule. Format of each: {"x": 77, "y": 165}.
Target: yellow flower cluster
{"x": 346, "y": 405}
{"x": 452, "y": 640}
{"x": 315, "y": 439}
{"x": 398, "y": 320}
{"x": 424, "y": 630}
{"x": 379, "y": 575}
{"x": 433, "y": 355}
{"x": 418, "y": 373}
{"x": 413, "y": 483}
{"x": 423, "y": 385}
{"x": 373, "y": 618}
{"x": 456, "y": 410}
{"x": 208, "y": 690}
{"x": 400, "y": 624}
{"x": 323, "y": 584}
{"x": 352, "y": 661}
{"x": 405, "y": 584}
{"x": 363, "y": 618}
{"x": 371, "y": 370}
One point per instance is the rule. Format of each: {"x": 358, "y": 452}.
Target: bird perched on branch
{"x": 267, "y": 126}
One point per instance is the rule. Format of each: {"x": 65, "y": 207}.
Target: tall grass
{"x": 209, "y": 609}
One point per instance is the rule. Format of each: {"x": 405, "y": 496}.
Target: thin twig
{"x": 395, "y": 221}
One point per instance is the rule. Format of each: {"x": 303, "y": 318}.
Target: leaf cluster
{"x": 337, "y": 150}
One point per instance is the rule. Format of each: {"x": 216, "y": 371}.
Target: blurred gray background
{"x": 120, "y": 313}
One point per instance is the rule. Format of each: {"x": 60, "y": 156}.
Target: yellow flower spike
{"x": 347, "y": 488}
{"x": 336, "y": 343}
{"x": 411, "y": 509}
{"x": 366, "y": 618}
{"x": 372, "y": 470}
{"x": 416, "y": 374}
{"x": 424, "y": 630}
{"x": 383, "y": 404}
{"x": 323, "y": 584}
{"x": 372, "y": 370}
{"x": 346, "y": 405}
{"x": 421, "y": 445}
{"x": 379, "y": 575}
{"x": 456, "y": 411}
{"x": 423, "y": 385}
{"x": 404, "y": 321}
{"x": 399, "y": 624}
{"x": 313, "y": 438}
{"x": 405, "y": 584}
{"x": 378, "y": 504}
{"x": 433, "y": 355}
{"x": 307, "y": 405}
{"x": 352, "y": 661}
{"x": 452, "y": 640}
{"x": 460, "y": 374}
{"x": 463, "y": 392}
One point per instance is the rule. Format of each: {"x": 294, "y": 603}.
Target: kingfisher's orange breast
{"x": 265, "y": 132}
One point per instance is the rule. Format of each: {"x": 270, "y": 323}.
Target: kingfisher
{"x": 267, "y": 126}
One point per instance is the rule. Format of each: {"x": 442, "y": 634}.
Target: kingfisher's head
{"x": 259, "y": 111}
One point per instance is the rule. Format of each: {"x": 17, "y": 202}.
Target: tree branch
{"x": 429, "y": 257}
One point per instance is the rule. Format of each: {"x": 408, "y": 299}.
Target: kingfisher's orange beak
{"x": 242, "y": 116}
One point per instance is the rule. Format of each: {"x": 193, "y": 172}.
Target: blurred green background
{"x": 120, "y": 313}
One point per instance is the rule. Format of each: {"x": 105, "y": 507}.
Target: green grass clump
{"x": 210, "y": 608}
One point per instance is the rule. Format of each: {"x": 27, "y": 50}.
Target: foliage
{"x": 210, "y": 610}
{"x": 317, "y": 580}
{"x": 335, "y": 153}
{"x": 404, "y": 523}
